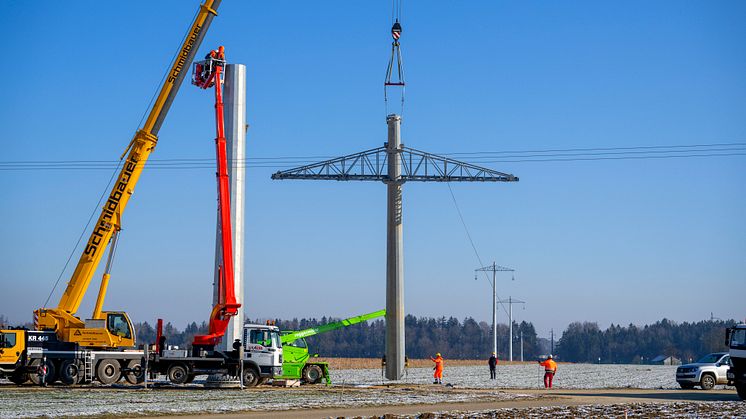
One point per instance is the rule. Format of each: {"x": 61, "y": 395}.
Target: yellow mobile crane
{"x": 60, "y": 335}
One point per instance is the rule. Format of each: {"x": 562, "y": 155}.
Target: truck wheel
{"x": 18, "y": 377}
{"x": 250, "y": 376}
{"x": 70, "y": 372}
{"x": 177, "y": 374}
{"x": 51, "y": 372}
{"x": 108, "y": 371}
{"x": 707, "y": 382}
{"x": 135, "y": 374}
{"x": 741, "y": 390}
{"x": 312, "y": 374}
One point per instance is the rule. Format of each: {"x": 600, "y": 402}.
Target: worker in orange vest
{"x": 550, "y": 368}
{"x": 438, "y": 375}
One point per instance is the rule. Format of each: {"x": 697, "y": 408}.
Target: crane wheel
{"x": 108, "y": 371}
{"x": 18, "y": 377}
{"x": 135, "y": 373}
{"x": 177, "y": 374}
{"x": 312, "y": 374}
{"x": 51, "y": 372}
{"x": 250, "y": 376}
{"x": 71, "y": 372}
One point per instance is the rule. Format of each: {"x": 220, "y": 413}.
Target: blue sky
{"x": 613, "y": 241}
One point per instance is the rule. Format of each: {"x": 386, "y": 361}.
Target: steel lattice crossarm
{"x": 416, "y": 165}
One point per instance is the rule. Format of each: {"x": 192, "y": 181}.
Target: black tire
{"x": 18, "y": 378}
{"x": 108, "y": 371}
{"x": 250, "y": 376}
{"x": 178, "y": 374}
{"x": 707, "y": 382}
{"x": 312, "y": 374}
{"x": 51, "y": 372}
{"x": 71, "y": 372}
{"x": 135, "y": 373}
{"x": 686, "y": 386}
{"x": 741, "y": 390}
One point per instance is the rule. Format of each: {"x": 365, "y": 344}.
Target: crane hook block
{"x": 396, "y": 31}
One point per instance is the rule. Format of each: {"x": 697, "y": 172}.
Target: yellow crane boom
{"x": 62, "y": 318}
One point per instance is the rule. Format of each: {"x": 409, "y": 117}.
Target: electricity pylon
{"x": 394, "y": 164}
{"x": 510, "y": 302}
{"x": 494, "y": 268}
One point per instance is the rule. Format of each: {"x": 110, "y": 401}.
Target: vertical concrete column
{"x": 234, "y": 97}
{"x": 394, "y": 255}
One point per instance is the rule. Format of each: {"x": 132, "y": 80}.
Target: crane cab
{"x": 114, "y": 330}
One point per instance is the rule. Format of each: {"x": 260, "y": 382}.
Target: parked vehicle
{"x": 708, "y": 371}
{"x": 735, "y": 338}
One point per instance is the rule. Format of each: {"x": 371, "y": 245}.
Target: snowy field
{"x": 577, "y": 376}
{"x": 352, "y": 388}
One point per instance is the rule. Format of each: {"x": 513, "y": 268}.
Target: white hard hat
{"x": 550, "y": 356}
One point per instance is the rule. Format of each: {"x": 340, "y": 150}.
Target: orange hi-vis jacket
{"x": 549, "y": 365}
{"x": 438, "y": 363}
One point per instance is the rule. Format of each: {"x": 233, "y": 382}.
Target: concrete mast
{"x": 394, "y": 255}
{"x": 234, "y": 97}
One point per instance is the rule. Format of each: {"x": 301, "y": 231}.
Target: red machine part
{"x": 210, "y": 74}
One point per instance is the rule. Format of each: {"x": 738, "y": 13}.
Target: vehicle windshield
{"x": 709, "y": 359}
{"x": 298, "y": 343}
{"x": 738, "y": 339}
{"x": 7, "y": 340}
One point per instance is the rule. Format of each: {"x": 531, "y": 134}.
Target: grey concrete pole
{"x": 234, "y": 98}
{"x": 494, "y": 308}
{"x": 510, "y": 346}
{"x": 521, "y": 345}
{"x": 394, "y": 255}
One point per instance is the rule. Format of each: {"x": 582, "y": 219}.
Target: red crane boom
{"x": 209, "y": 73}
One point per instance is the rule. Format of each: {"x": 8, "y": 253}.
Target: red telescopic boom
{"x": 207, "y": 74}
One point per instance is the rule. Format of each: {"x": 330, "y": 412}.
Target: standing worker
{"x": 493, "y": 366}
{"x": 438, "y": 375}
{"x": 42, "y": 371}
{"x": 550, "y": 368}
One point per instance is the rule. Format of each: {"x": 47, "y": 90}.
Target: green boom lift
{"x": 295, "y": 364}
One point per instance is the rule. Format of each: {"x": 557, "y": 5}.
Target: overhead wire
{"x": 479, "y": 157}
{"x": 473, "y": 246}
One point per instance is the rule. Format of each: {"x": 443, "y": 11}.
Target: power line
{"x": 535, "y": 156}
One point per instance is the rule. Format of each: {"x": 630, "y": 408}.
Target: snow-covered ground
{"x": 580, "y": 376}
{"x": 352, "y": 388}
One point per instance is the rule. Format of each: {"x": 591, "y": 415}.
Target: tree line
{"x": 425, "y": 336}
{"x": 469, "y": 339}
{"x": 585, "y": 342}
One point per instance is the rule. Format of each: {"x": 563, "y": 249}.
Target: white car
{"x": 708, "y": 371}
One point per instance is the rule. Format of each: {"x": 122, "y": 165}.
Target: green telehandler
{"x": 295, "y": 356}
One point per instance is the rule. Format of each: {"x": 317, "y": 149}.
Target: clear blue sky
{"x": 613, "y": 241}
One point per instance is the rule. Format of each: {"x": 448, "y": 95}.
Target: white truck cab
{"x": 263, "y": 351}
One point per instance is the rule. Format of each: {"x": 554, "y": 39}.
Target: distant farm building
{"x": 665, "y": 360}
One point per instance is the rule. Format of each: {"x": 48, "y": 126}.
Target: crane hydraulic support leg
{"x": 207, "y": 74}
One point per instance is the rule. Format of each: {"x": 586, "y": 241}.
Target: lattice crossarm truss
{"x": 425, "y": 167}
{"x": 416, "y": 166}
{"x": 366, "y": 165}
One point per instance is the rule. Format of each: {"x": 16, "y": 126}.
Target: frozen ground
{"x": 352, "y": 388}
{"x": 579, "y": 376}
{"x": 632, "y": 410}
{"x": 102, "y": 401}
